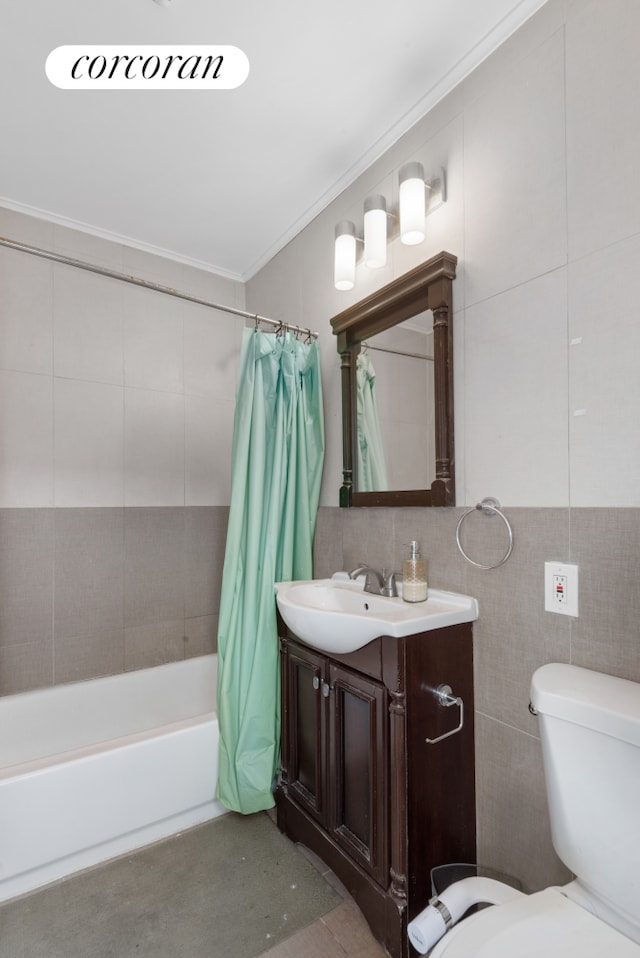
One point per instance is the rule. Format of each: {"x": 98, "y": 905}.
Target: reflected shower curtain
{"x": 372, "y": 471}
{"x": 276, "y": 468}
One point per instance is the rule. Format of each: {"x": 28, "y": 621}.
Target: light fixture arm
{"x": 437, "y": 187}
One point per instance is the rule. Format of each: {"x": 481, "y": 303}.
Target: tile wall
{"x": 512, "y": 637}
{"x": 546, "y": 336}
{"x": 116, "y": 416}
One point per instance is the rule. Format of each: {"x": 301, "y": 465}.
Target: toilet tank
{"x": 590, "y": 733}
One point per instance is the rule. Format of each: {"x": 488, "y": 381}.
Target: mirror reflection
{"x": 395, "y": 408}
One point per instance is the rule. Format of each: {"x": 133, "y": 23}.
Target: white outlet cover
{"x": 570, "y": 604}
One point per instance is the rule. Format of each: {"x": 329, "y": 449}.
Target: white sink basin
{"x": 337, "y": 615}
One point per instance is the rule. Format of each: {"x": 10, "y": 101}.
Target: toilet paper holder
{"x": 446, "y": 698}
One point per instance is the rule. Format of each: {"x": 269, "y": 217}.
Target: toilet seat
{"x": 546, "y": 924}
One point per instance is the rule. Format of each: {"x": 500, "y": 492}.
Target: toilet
{"x": 590, "y": 734}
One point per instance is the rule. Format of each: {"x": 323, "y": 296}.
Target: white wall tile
{"x": 26, "y": 440}
{"x": 212, "y": 342}
{"x": 152, "y": 267}
{"x": 208, "y": 438}
{"x": 26, "y": 297}
{"x": 603, "y": 133}
{"x": 89, "y": 430}
{"x": 153, "y": 340}
{"x": 22, "y": 228}
{"x": 87, "y": 312}
{"x": 548, "y": 19}
{"x": 516, "y": 396}
{"x": 90, "y": 331}
{"x": 87, "y": 247}
{"x": 154, "y": 448}
{"x": 514, "y": 176}
{"x": 213, "y": 288}
{"x": 604, "y": 290}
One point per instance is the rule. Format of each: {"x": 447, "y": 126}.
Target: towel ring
{"x": 490, "y": 507}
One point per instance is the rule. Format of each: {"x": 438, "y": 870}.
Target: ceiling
{"x": 225, "y": 178}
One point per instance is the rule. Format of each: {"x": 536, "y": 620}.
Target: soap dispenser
{"x": 414, "y": 576}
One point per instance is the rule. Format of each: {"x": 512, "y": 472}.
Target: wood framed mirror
{"x": 425, "y": 290}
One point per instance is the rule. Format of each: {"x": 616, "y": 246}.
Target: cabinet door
{"x": 358, "y": 762}
{"x": 306, "y": 729}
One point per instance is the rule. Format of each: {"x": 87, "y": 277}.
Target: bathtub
{"x": 96, "y": 769}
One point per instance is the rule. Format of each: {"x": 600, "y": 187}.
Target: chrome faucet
{"x": 377, "y": 583}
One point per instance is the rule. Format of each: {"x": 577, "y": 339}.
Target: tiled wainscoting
{"x": 512, "y": 637}
{"x": 88, "y": 592}
{"x": 96, "y": 591}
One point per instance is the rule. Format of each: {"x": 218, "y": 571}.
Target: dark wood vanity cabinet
{"x": 337, "y": 718}
{"x": 359, "y": 784}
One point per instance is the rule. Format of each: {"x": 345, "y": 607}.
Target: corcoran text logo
{"x": 147, "y": 67}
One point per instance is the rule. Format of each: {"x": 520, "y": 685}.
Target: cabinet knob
{"x": 326, "y": 688}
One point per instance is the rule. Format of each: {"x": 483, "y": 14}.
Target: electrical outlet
{"x": 561, "y": 588}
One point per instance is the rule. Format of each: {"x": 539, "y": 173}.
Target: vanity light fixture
{"x": 344, "y": 268}
{"x": 417, "y": 198}
{"x": 375, "y": 231}
{"x": 413, "y": 200}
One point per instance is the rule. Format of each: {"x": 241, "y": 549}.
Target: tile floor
{"x": 160, "y": 902}
{"x": 343, "y": 933}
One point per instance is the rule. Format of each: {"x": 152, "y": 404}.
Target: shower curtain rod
{"x": 397, "y": 352}
{"x": 168, "y": 290}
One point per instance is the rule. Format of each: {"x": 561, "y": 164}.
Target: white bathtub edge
{"x": 37, "y": 878}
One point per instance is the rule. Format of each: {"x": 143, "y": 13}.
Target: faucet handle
{"x": 390, "y": 585}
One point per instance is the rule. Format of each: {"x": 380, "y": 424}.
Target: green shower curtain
{"x": 276, "y": 468}
{"x": 372, "y": 471}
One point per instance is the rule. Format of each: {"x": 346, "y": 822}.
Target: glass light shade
{"x": 412, "y": 204}
{"x": 375, "y": 231}
{"x": 344, "y": 264}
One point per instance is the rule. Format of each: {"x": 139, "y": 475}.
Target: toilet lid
{"x": 544, "y": 925}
